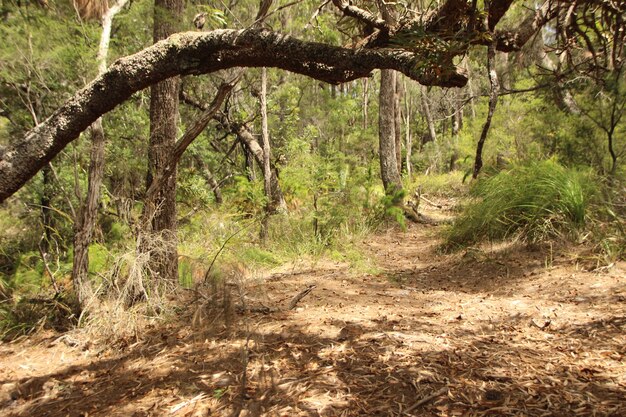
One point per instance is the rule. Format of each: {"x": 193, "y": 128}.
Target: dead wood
{"x": 242, "y": 308}
{"x": 295, "y": 300}
{"x": 426, "y": 399}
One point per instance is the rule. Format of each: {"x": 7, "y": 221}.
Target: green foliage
{"x": 99, "y": 259}
{"x": 247, "y": 196}
{"x": 390, "y": 207}
{"x": 324, "y": 144}
{"x": 442, "y": 185}
{"x": 538, "y": 201}
{"x": 258, "y": 257}
{"x": 23, "y": 316}
{"x": 194, "y": 190}
{"x": 29, "y": 272}
{"x": 609, "y": 230}
{"x": 215, "y": 18}
{"x": 56, "y": 56}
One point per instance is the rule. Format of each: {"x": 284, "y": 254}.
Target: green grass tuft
{"x": 536, "y": 202}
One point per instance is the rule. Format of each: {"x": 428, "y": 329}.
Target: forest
{"x": 312, "y": 208}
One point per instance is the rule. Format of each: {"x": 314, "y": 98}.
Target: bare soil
{"x": 496, "y": 331}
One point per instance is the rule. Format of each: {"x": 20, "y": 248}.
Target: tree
{"x": 163, "y": 132}
{"x": 494, "y": 88}
{"x": 423, "y": 46}
{"x": 596, "y": 53}
{"x": 387, "y": 126}
{"x": 267, "y": 169}
{"x": 87, "y": 216}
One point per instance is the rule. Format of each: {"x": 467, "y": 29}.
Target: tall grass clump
{"x": 535, "y": 202}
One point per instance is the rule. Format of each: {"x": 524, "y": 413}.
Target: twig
{"x": 295, "y": 300}
{"x": 206, "y": 276}
{"x": 317, "y": 12}
{"x": 63, "y": 190}
{"x": 262, "y": 310}
{"x": 421, "y": 197}
{"x": 177, "y": 407}
{"x": 426, "y": 399}
{"x": 242, "y": 308}
{"x": 44, "y": 258}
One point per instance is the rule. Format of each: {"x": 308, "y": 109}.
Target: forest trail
{"x": 496, "y": 332}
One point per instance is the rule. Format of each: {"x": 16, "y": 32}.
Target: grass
{"x": 534, "y": 202}
{"x": 442, "y": 185}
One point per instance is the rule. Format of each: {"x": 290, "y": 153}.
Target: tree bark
{"x": 407, "y": 131}
{"x": 45, "y": 201}
{"x": 387, "y": 137}
{"x": 249, "y": 162}
{"x": 163, "y": 132}
{"x": 397, "y": 113}
{"x": 432, "y": 133}
{"x": 87, "y": 216}
{"x": 613, "y": 155}
{"x": 267, "y": 173}
{"x": 494, "y": 88}
{"x": 169, "y": 167}
{"x": 365, "y": 102}
{"x": 197, "y": 53}
{"x": 457, "y": 125}
{"x": 210, "y": 179}
{"x": 387, "y": 133}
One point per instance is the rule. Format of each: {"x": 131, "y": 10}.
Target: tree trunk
{"x": 494, "y": 88}
{"x": 210, "y": 179}
{"x": 470, "y": 87}
{"x": 163, "y": 132}
{"x": 458, "y": 115}
{"x": 407, "y": 132}
{"x": 457, "y": 125}
{"x": 267, "y": 170}
{"x": 45, "y": 202}
{"x": 365, "y": 102}
{"x": 88, "y": 214}
{"x": 397, "y": 112}
{"x": 432, "y": 133}
{"x": 612, "y": 152}
{"x": 249, "y": 162}
{"x": 387, "y": 133}
{"x": 181, "y": 145}
{"x": 387, "y": 137}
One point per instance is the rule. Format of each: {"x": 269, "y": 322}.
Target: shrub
{"x": 540, "y": 201}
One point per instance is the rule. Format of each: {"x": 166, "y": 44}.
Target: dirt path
{"x": 496, "y": 333}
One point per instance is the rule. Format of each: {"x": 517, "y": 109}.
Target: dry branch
{"x": 295, "y": 300}
{"x": 426, "y": 399}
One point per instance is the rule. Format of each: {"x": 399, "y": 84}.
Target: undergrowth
{"x": 535, "y": 202}
{"x": 441, "y": 185}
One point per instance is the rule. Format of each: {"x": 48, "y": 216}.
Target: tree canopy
{"x": 424, "y": 45}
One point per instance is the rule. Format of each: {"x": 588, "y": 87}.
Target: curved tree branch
{"x": 362, "y": 15}
{"x": 193, "y": 53}
{"x": 513, "y": 40}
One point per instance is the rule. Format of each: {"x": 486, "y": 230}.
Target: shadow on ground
{"x": 367, "y": 369}
{"x": 424, "y": 351}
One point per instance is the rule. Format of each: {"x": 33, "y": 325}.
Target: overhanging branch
{"x": 193, "y": 53}
{"x": 513, "y": 40}
{"x": 360, "y": 14}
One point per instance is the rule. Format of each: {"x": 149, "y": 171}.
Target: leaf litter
{"x": 493, "y": 331}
